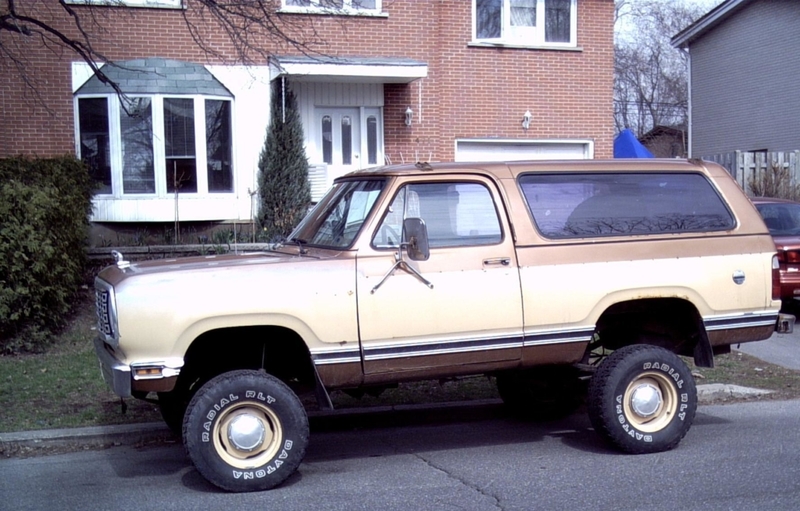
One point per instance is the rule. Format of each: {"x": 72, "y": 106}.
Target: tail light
{"x": 776, "y": 278}
{"x": 790, "y": 256}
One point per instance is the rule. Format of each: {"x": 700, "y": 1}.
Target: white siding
{"x": 515, "y": 150}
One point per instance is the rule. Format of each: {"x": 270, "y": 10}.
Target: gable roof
{"x": 713, "y": 18}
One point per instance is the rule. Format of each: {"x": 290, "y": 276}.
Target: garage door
{"x": 479, "y": 150}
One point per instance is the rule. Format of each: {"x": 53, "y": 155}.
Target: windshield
{"x": 337, "y": 219}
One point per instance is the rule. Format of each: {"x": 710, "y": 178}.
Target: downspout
{"x": 689, "y": 103}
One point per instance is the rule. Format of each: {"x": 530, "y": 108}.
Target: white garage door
{"x": 474, "y": 150}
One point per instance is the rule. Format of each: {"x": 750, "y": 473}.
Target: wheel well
{"x": 278, "y": 351}
{"x": 670, "y": 323}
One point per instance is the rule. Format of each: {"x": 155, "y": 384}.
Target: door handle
{"x": 504, "y": 261}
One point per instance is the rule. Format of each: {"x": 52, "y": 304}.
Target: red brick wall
{"x": 470, "y": 92}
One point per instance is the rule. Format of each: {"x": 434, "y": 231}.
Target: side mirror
{"x": 415, "y": 239}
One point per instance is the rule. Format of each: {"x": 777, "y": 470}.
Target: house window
{"x": 94, "y": 140}
{"x": 219, "y": 146}
{"x": 179, "y": 145}
{"x": 525, "y": 22}
{"x": 372, "y": 140}
{"x": 347, "y": 140}
{"x": 336, "y": 6}
{"x": 157, "y": 145}
{"x": 150, "y": 4}
{"x": 136, "y": 135}
{"x": 327, "y": 139}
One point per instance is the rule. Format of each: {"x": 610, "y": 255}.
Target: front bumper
{"x": 140, "y": 378}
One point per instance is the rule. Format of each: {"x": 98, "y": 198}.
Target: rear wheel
{"x": 642, "y": 399}
{"x": 245, "y": 431}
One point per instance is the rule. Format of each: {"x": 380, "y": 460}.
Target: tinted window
{"x": 570, "y": 205}
{"x": 781, "y": 219}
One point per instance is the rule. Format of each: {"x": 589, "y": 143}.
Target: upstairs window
{"x": 149, "y": 4}
{"x": 333, "y": 6}
{"x": 525, "y": 22}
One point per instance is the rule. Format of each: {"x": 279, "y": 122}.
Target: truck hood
{"x": 122, "y": 270}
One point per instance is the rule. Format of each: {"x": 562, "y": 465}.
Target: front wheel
{"x": 245, "y": 431}
{"x": 642, "y": 399}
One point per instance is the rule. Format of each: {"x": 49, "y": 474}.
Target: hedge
{"x": 44, "y": 219}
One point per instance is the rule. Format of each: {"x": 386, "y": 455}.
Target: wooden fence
{"x": 742, "y": 164}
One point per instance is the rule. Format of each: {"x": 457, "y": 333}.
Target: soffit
{"x": 348, "y": 69}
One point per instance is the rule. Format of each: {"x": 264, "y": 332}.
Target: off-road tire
{"x": 642, "y": 399}
{"x": 223, "y": 420}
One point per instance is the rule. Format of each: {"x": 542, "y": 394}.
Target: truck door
{"x": 470, "y": 314}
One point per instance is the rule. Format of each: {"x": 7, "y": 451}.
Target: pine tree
{"x": 283, "y": 188}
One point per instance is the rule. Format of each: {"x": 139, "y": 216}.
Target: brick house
{"x": 394, "y": 81}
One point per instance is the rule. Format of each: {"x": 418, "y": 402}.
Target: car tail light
{"x": 791, "y": 256}
{"x": 776, "y": 278}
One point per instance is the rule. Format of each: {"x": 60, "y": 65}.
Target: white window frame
{"x": 149, "y": 4}
{"x": 348, "y": 8}
{"x": 533, "y": 37}
{"x": 159, "y": 158}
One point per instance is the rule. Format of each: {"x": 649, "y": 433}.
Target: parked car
{"x": 783, "y": 221}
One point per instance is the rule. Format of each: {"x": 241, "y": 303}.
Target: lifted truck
{"x": 537, "y": 273}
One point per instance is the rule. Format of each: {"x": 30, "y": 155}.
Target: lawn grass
{"x": 63, "y": 388}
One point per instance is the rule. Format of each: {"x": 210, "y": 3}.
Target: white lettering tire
{"x": 642, "y": 399}
{"x": 245, "y": 431}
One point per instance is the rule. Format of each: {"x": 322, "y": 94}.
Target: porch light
{"x": 409, "y": 116}
{"x": 526, "y": 119}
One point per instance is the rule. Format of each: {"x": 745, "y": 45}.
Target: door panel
{"x": 472, "y": 314}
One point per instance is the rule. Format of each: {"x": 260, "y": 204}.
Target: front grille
{"x": 103, "y": 304}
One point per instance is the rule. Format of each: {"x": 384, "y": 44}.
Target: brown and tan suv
{"x": 538, "y": 273}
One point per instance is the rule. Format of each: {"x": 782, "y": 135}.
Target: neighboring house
{"x": 395, "y": 81}
{"x": 666, "y": 141}
{"x": 744, "y": 69}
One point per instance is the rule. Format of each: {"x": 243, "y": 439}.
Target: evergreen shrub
{"x": 283, "y": 189}
{"x": 44, "y": 219}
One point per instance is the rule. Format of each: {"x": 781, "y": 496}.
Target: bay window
{"x": 156, "y": 144}
{"x": 525, "y": 22}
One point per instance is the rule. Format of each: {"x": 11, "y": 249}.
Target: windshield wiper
{"x": 300, "y": 244}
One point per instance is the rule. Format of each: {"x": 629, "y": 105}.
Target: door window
{"x": 456, "y": 214}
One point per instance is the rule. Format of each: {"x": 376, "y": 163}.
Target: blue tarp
{"x": 626, "y": 146}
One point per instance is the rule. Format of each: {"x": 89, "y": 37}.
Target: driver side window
{"x": 456, "y": 214}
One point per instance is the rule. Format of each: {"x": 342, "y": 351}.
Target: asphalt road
{"x": 780, "y": 349}
{"x": 736, "y": 457}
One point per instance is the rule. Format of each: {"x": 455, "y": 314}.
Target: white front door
{"x": 339, "y": 140}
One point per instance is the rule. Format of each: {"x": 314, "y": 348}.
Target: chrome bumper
{"x": 125, "y": 380}
{"x": 115, "y": 373}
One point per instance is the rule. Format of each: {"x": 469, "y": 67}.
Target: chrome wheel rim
{"x": 247, "y": 435}
{"x": 650, "y": 402}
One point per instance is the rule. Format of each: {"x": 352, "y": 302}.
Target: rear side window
{"x": 571, "y": 205}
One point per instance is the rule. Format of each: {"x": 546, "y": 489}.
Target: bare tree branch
{"x": 650, "y": 76}
{"x": 226, "y": 31}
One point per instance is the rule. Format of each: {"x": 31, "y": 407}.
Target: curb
{"x": 43, "y": 442}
